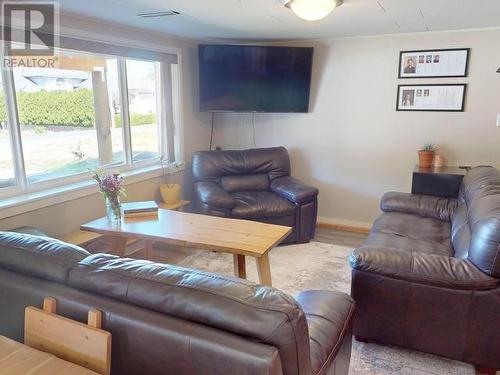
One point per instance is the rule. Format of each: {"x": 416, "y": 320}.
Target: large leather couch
{"x": 171, "y": 320}
{"x": 255, "y": 185}
{"x": 428, "y": 276}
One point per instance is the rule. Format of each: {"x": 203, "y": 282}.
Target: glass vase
{"x": 113, "y": 209}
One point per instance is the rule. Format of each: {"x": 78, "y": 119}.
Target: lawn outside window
{"x": 92, "y": 110}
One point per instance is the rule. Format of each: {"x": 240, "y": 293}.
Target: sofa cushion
{"x": 41, "y": 257}
{"x": 258, "y": 312}
{"x": 233, "y": 183}
{"x": 258, "y": 204}
{"x": 479, "y": 182}
{"x": 212, "y": 165}
{"x": 422, "y": 233}
{"x": 396, "y": 242}
{"x": 416, "y": 204}
{"x": 329, "y": 318}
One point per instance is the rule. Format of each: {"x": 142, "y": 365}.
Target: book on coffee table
{"x": 140, "y": 209}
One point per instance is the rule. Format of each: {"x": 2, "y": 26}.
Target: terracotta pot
{"x": 425, "y": 158}
{"x": 170, "y": 193}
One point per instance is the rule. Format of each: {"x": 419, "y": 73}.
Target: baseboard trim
{"x": 361, "y": 228}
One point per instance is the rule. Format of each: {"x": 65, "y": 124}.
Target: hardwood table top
{"x": 234, "y": 236}
{"x": 16, "y": 358}
{"x": 174, "y": 206}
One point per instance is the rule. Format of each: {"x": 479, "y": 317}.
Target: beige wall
{"x": 353, "y": 145}
{"x": 66, "y": 217}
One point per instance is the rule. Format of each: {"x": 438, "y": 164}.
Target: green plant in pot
{"x": 426, "y": 155}
{"x": 171, "y": 190}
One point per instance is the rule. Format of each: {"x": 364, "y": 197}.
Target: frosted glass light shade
{"x": 313, "y": 10}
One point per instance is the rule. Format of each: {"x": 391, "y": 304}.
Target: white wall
{"x": 66, "y": 217}
{"x": 353, "y": 145}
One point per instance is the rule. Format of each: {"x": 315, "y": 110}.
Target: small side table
{"x": 178, "y": 206}
{"x": 440, "y": 182}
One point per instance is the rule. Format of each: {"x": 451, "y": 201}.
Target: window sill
{"x": 33, "y": 201}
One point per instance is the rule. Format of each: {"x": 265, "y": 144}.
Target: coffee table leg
{"x": 264, "y": 270}
{"x": 118, "y": 245}
{"x": 239, "y": 266}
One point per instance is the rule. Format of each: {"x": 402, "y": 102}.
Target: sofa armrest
{"x": 423, "y": 205}
{"x": 329, "y": 316}
{"x": 293, "y": 189}
{"x": 421, "y": 268}
{"x": 213, "y": 194}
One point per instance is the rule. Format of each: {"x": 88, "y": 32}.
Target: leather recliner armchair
{"x": 428, "y": 276}
{"x": 256, "y": 185}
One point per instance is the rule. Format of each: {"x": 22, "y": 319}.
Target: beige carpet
{"x": 324, "y": 266}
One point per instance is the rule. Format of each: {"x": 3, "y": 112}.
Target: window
{"x": 91, "y": 110}
{"x": 67, "y": 118}
{"x": 142, "y": 78}
{"x": 7, "y": 176}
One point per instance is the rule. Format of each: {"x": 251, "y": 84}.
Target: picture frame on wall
{"x": 431, "y": 97}
{"x": 434, "y": 63}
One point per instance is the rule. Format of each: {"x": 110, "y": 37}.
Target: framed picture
{"x": 433, "y": 97}
{"x": 434, "y": 63}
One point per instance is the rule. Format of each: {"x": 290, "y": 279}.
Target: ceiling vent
{"x": 165, "y": 13}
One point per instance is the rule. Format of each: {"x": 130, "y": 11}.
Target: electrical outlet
{"x": 498, "y": 119}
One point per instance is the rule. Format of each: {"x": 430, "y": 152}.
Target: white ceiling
{"x": 269, "y": 20}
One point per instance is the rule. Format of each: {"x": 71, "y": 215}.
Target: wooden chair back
{"x": 86, "y": 345}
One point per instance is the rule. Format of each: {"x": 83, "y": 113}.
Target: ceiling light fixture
{"x": 165, "y": 13}
{"x": 312, "y": 10}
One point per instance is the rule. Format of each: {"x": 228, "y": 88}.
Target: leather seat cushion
{"x": 416, "y": 233}
{"x": 397, "y": 242}
{"x": 329, "y": 315}
{"x": 260, "y": 204}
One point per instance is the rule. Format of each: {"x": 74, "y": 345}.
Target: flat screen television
{"x": 254, "y": 78}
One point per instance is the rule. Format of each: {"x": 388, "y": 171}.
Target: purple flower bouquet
{"x": 111, "y": 187}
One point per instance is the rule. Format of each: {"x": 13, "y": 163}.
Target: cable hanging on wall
{"x": 253, "y": 129}
{"x": 212, "y": 132}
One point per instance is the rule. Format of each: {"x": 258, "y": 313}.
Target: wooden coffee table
{"x": 238, "y": 237}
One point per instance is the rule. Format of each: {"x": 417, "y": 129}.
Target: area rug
{"x": 318, "y": 265}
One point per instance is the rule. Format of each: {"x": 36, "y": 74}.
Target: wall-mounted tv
{"x": 254, "y": 78}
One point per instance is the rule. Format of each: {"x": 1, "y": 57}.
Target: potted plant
{"x": 111, "y": 187}
{"x": 426, "y": 155}
{"x": 171, "y": 190}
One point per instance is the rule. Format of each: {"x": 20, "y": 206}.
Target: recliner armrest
{"x": 293, "y": 189}
{"x": 423, "y": 205}
{"x": 213, "y": 194}
{"x": 421, "y": 268}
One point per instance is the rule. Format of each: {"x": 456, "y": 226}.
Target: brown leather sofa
{"x": 171, "y": 320}
{"x": 255, "y": 185}
{"x": 428, "y": 276}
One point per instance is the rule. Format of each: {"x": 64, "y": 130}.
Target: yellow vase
{"x": 170, "y": 193}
